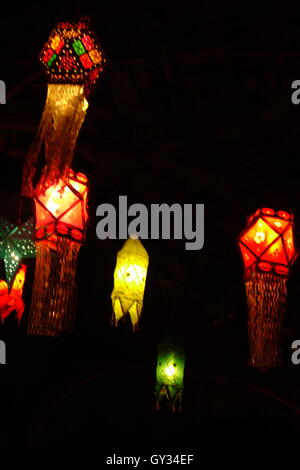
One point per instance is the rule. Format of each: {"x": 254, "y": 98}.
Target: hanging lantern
{"x": 129, "y": 282}
{"x": 72, "y": 54}
{"x": 11, "y": 300}
{"x": 61, "y": 209}
{"x": 16, "y": 244}
{"x": 61, "y": 220}
{"x": 268, "y": 250}
{"x": 170, "y": 374}
{"x": 73, "y": 61}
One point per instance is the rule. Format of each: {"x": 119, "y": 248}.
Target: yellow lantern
{"x": 129, "y": 282}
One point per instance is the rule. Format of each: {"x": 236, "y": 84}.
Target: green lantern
{"x": 170, "y": 373}
{"x": 16, "y": 243}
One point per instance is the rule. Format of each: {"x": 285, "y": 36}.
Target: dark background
{"x": 194, "y": 106}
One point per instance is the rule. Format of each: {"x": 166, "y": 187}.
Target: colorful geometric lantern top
{"x": 267, "y": 242}
{"x": 61, "y": 209}
{"x": 72, "y": 54}
{"x": 129, "y": 281}
{"x": 16, "y": 243}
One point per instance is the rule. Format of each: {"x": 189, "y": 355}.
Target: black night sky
{"x": 194, "y": 106}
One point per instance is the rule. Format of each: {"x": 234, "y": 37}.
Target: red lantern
{"x": 61, "y": 219}
{"x": 267, "y": 243}
{"x": 268, "y": 250}
{"x": 61, "y": 210}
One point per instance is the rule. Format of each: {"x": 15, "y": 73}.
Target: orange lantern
{"x": 61, "y": 220}
{"x": 268, "y": 250}
{"x": 12, "y": 300}
{"x": 61, "y": 209}
{"x": 267, "y": 243}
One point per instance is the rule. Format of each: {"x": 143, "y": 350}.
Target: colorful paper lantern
{"x": 16, "y": 244}
{"x": 268, "y": 250}
{"x": 72, "y": 54}
{"x": 11, "y": 300}
{"x": 73, "y": 60}
{"x": 61, "y": 219}
{"x": 129, "y": 282}
{"x": 170, "y": 374}
{"x": 61, "y": 209}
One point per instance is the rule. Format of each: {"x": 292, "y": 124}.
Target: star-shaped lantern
{"x": 16, "y": 243}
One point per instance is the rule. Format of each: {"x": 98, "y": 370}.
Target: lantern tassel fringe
{"x": 266, "y": 295}
{"x": 53, "y": 299}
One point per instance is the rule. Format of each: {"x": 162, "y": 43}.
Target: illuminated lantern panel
{"x": 170, "y": 374}
{"x": 61, "y": 210}
{"x": 72, "y": 54}
{"x": 12, "y": 300}
{"x": 129, "y": 282}
{"x": 267, "y": 243}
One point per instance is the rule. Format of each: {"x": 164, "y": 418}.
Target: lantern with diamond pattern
{"x": 61, "y": 220}
{"x": 268, "y": 250}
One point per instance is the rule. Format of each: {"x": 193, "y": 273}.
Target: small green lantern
{"x": 170, "y": 373}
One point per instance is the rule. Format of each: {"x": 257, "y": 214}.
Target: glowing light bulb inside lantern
{"x": 133, "y": 273}
{"x": 259, "y": 237}
{"x": 170, "y": 370}
{"x": 53, "y": 203}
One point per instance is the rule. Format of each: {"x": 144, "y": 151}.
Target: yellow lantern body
{"x": 129, "y": 282}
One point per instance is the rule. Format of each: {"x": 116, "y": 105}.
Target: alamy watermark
{"x": 160, "y": 222}
{"x": 2, "y": 352}
{"x": 2, "y": 92}
{"x": 296, "y": 354}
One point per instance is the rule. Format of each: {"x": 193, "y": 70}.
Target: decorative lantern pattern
{"x": 170, "y": 374}
{"x": 73, "y": 60}
{"x": 129, "y": 282}
{"x": 11, "y": 300}
{"x": 16, "y": 244}
{"x": 61, "y": 219}
{"x": 268, "y": 250}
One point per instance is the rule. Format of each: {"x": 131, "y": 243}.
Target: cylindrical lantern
{"x": 268, "y": 250}
{"x": 129, "y": 282}
{"x": 73, "y": 60}
{"x": 11, "y": 300}
{"x": 170, "y": 374}
{"x": 61, "y": 220}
